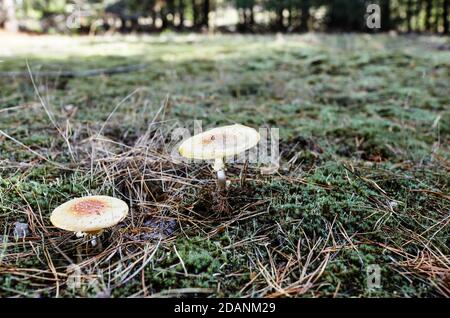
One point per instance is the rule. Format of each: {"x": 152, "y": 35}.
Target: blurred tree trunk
{"x": 418, "y": 11}
{"x": 280, "y": 24}
{"x": 386, "y": 15}
{"x": 163, "y": 15}
{"x": 154, "y": 16}
{"x": 246, "y": 16}
{"x": 445, "y": 17}
{"x": 241, "y": 16}
{"x": 409, "y": 15}
{"x": 205, "y": 15}
{"x": 437, "y": 17}
{"x": 194, "y": 13}
{"x": 181, "y": 14}
{"x": 290, "y": 10}
{"x": 252, "y": 16}
{"x": 428, "y": 6}
{"x": 304, "y": 17}
{"x": 10, "y": 23}
{"x": 170, "y": 10}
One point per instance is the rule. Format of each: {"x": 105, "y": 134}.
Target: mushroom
{"x": 218, "y": 144}
{"x": 89, "y": 215}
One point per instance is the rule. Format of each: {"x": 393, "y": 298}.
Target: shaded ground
{"x": 364, "y": 180}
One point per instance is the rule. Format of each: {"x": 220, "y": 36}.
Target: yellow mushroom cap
{"x": 220, "y": 142}
{"x": 89, "y": 214}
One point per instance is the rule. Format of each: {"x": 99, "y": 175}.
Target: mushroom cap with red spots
{"x": 89, "y": 214}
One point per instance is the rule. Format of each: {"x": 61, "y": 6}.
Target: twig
{"x": 75, "y": 74}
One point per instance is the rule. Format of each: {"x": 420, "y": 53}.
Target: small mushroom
{"x": 219, "y": 143}
{"x": 89, "y": 215}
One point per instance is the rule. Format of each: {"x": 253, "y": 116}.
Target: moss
{"x": 364, "y": 139}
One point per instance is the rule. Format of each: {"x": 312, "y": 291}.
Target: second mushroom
{"x": 218, "y": 144}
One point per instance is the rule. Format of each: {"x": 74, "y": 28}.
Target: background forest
{"x": 222, "y": 15}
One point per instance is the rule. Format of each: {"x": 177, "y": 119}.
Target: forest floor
{"x": 363, "y": 182}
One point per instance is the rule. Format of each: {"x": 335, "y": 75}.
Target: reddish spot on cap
{"x": 208, "y": 139}
{"x": 86, "y": 207}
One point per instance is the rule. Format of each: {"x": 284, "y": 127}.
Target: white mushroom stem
{"x": 93, "y": 237}
{"x": 219, "y": 167}
{"x": 221, "y": 179}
